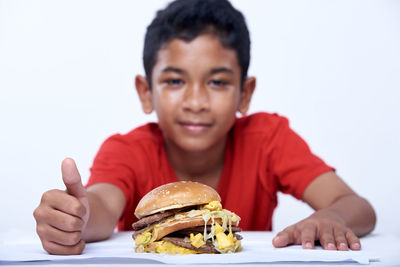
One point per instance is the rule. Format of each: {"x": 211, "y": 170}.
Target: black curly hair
{"x": 186, "y": 19}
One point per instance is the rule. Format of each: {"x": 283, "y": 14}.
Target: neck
{"x": 200, "y": 166}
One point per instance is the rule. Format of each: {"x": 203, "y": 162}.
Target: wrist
{"x": 329, "y": 215}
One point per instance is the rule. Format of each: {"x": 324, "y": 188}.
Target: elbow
{"x": 373, "y": 216}
{"x": 369, "y": 217}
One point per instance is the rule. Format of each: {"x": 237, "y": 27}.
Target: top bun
{"x": 175, "y": 195}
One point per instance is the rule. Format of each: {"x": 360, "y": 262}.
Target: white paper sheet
{"x": 257, "y": 248}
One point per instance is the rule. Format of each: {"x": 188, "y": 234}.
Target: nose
{"x": 196, "y": 98}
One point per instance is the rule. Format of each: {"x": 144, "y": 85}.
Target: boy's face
{"x": 195, "y": 92}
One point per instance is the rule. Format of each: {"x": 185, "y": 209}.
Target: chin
{"x": 193, "y": 144}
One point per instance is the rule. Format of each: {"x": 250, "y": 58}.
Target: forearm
{"x": 101, "y": 223}
{"x": 353, "y": 211}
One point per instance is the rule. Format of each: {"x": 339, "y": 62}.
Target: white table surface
{"x": 383, "y": 250}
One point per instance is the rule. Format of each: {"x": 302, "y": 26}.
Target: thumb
{"x": 72, "y": 178}
{"x": 281, "y": 240}
{"x": 73, "y": 183}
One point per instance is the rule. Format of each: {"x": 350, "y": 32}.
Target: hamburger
{"x": 185, "y": 218}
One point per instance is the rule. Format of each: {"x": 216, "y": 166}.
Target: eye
{"x": 174, "y": 82}
{"x": 218, "y": 83}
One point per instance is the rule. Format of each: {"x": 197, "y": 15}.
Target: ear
{"x": 245, "y": 95}
{"x": 144, "y": 93}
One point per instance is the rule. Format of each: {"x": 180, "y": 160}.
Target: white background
{"x": 66, "y": 83}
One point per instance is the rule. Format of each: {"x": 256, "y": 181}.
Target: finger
{"x": 353, "y": 240}
{"x": 49, "y": 233}
{"x": 64, "y": 221}
{"x": 60, "y": 200}
{"x": 72, "y": 178}
{"x": 308, "y": 237}
{"x": 327, "y": 238}
{"x": 57, "y": 249}
{"x": 340, "y": 238}
{"x": 58, "y": 219}
{"x": 284, "y": 238}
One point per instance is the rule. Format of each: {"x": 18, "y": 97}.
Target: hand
{"x": 61, "y": 216}
{"x": 332, "y": 234}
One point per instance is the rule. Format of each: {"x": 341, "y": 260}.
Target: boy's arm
{"x": 340, "y": 217}
{"x": 106, "y": 203}
{"x": 66, "y": 219}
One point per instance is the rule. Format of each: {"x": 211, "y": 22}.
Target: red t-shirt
{"x": 262, "y": 156}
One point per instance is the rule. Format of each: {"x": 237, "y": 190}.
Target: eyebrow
{"x": 213, "y": 71}
{"x": 222, "y": 69}
{"x": 173, "y": 69}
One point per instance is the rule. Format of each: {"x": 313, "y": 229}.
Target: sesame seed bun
{"x": 175, "y": 195}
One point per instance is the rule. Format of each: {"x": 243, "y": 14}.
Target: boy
{"x": 196, "y": 56}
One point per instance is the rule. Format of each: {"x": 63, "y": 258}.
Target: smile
{"x": 193, "y": 127}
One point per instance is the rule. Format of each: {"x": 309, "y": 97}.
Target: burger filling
{"x": 202, "y": 229}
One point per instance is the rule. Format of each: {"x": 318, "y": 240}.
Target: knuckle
{"x": 40, "y": 230}
{"x": 340, "y": 235}
{"x": 47, "y": 196}
{"x": 339, "y": 229}
{"x": 311, "y": 222}
{"x": 41, "y": 214}
{"x": 307, "y": 235}
{"x": 74, "y": 238}
{"x": 289, "y": 229}
{"x": 326, "y": 225}
{"x": 349, "y": 235}
{"x": 285, "y": 233}
{"x": 309, "y": 227}
{"x": 62, "y": 249}
{"x": 76, "y": 207}
{"x": 78, "y": 249}
{"x": 340, "y": 238}
{"x": 297, "y": 236}
{"x": 47, "y": 246}
{"x": 326, "y": 229}
{"x": 326, "y": 236}
{"x": 281, "y": 233}
{"x": 74, "y": 224}
{"x": 37, "y": 213}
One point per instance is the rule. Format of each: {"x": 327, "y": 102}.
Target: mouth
{"x": 195, "y": 127}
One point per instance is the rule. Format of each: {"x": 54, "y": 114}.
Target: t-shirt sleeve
{"x": 112, "y": 165}
{"x": 294, "y": 165}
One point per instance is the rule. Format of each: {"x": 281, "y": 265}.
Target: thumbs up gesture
{"x": 61, "y": 216}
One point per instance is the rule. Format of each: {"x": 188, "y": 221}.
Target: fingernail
{"x": 331, "y": 246}
{"x": 342, "y": 246}
{"x": 356, "y": 246}
{"x": 308, "y": 245}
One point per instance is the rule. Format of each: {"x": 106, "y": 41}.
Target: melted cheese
{"x": 143, "y": 238}
{"x": 197, "y": 240}
{"x": 224, "y": 241}
{"x": 169, "y": 248}
{"x": 213, "y": 205}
